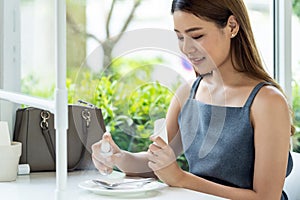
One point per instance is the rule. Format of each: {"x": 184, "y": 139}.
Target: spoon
{"x": 114, "y": 185}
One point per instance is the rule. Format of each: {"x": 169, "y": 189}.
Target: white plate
{"x": 97, "y": 189}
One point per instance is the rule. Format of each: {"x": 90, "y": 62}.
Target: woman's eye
{"x": 197, "y": 37}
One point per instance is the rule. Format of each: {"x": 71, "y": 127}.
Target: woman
{"x": 233, "y": 124}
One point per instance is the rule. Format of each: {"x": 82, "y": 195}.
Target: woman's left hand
{"x": 162, "y": 161}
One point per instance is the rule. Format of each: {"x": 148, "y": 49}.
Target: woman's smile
{"x": 196, "y": 60}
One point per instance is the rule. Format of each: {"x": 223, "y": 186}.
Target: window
{"x": 261, "y": 17}
{"x": 37, "y": 47}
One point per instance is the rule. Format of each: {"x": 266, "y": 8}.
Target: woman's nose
{"x": 188, "y": 46}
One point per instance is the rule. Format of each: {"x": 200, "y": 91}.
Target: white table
{"x": 41, "y": 186}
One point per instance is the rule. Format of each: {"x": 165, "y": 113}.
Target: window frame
{"x": 10, "y": 58}
{"x": 282, "y": 15}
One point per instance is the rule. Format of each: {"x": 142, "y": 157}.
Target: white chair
{"x": 292, "y": 182}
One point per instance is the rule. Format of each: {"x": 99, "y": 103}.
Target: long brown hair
{"x": 243, "y": 46}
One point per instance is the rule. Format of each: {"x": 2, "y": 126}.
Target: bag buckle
{"x": 45, "y": 115}
{"x": 86, "y": 115}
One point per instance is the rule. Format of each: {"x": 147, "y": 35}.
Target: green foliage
{"x": 146, "y": 104}
{"x": 30, "y": 86}
{"x": 296, "y": 109}
{"x": 182, "y": 162}
{"x": 150, "y": 100}
{"x": 296, "y": 7}
{"x": 131, "y": 102}
{"x": 104, "y": 97}
{"x": 83, "y": 87}
{"x": 296, "y": 102}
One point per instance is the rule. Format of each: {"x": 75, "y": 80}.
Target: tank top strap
{"x": 194, "y": 87}
{"x": 254, "y": 93}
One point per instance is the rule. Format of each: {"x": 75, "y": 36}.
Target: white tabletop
{"x": 41, "y": 186}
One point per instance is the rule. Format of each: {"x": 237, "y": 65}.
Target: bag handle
{"x": 45, "y": 115}
{"x": 86, "y": 119}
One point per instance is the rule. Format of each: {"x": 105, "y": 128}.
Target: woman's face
{"x": 206, "y": 45}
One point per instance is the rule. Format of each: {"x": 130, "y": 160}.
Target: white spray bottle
{"x": 106, "y": 151}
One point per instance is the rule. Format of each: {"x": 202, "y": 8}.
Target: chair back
{"x": 292, "y": 182}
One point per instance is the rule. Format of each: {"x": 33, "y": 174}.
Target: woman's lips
{"x": 196, "y": 61}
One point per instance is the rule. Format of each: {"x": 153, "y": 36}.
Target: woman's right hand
{"x": 103, "y": 162}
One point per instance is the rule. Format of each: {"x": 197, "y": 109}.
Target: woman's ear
{"x": 233, "y": 26}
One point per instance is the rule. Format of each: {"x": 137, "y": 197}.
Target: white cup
{"x": 9, "y": 157}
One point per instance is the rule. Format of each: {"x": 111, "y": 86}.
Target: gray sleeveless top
{"x": 218, "y": 141}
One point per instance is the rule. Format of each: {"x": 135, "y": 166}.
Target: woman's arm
{"x": 134, "y": 164}
{"x": 271, "y": 121}
{"x": 179, "y": 99}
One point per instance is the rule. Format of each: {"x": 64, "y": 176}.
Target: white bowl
{"x": 9, "y": 156}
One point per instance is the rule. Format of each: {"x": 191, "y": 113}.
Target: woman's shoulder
{"x": 270, "y": 112}
{"x": 270, "y": 93}
{"x": 269, "y": 97}
{"x": 185, "y": 88}
{"x": 187, "y": 84}
{"x": 183, "y": 91}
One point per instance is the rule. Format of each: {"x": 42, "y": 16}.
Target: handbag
{"x": 34, "y": 128}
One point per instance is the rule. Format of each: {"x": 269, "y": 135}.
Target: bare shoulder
{"x": 270, "y": 96}
{"x": 270, "y": 114}
{"x": 269, "y": 104}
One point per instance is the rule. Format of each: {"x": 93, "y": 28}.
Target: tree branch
{"x": 128, "y": 20}
{"x": 73, "y": 25}
{"x": 109, "y": 18}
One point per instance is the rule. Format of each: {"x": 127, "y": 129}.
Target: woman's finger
{"x": 107, "y": 136}
{"x": 103, "y": 168}
{"x": 151, "y": 156}
{"x": 159, "y": 141}
{"x": 153, "y": 147}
